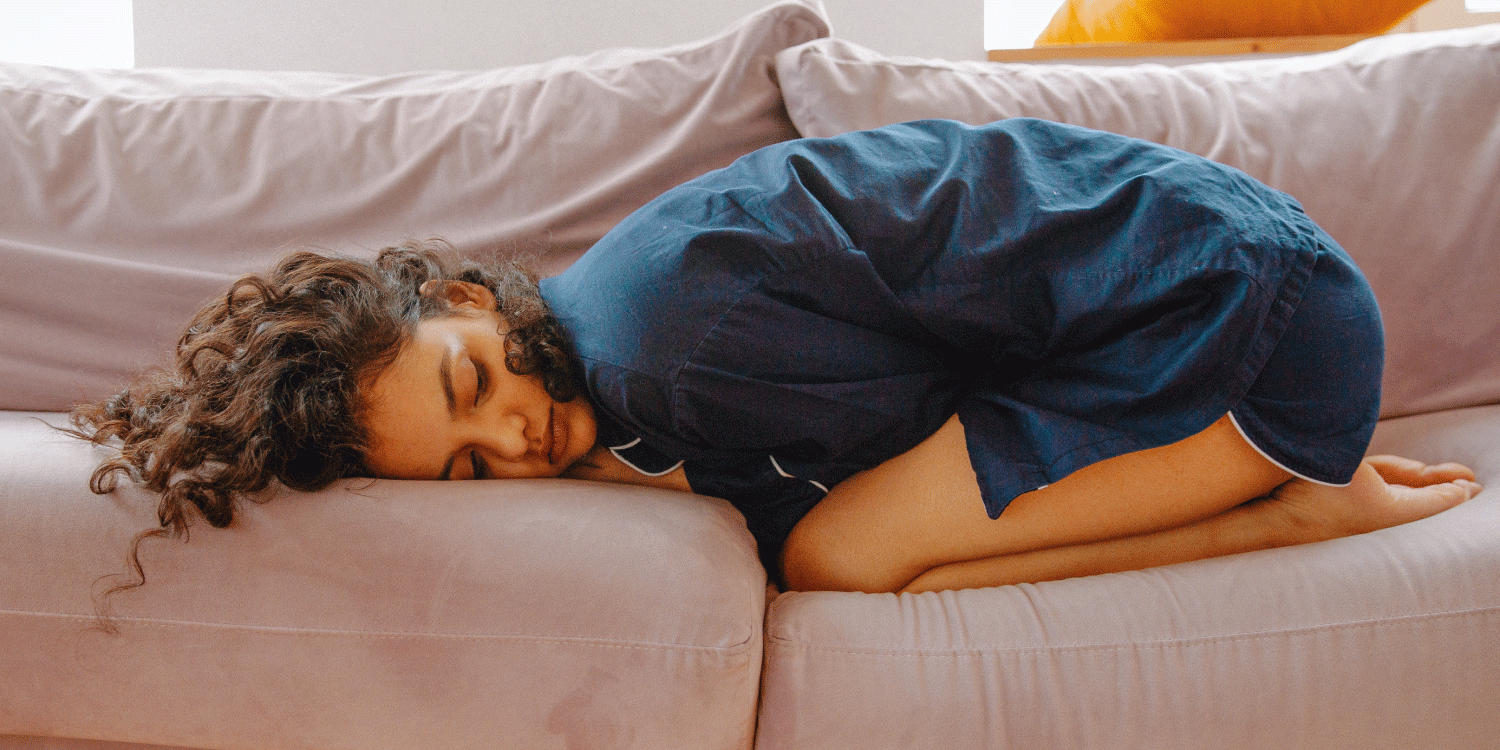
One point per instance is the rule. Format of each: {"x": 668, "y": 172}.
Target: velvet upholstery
{"x": 377, "y": 614}
{"x": 562, "y": 614}
{"x": 132, "y": 196}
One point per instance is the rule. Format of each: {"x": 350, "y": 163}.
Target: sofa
{"x": 568, "y": 614}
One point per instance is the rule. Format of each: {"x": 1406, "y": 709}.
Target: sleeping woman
{"x": 929, "y": 356}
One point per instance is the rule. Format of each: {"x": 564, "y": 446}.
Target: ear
{"x": 460, "y": 295}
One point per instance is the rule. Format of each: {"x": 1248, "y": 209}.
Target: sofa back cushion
{"x": 131, "y": 196}
{"x": 1392, "y": 145}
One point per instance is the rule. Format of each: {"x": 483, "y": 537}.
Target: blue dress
{"x": 823, "y": 305}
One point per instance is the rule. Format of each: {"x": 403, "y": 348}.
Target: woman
{"x": 923, "y": 357}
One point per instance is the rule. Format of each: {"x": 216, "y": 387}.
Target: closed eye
{"x": 482, "y": 381}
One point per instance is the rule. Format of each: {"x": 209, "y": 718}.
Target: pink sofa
{"x": 562, "y": 614}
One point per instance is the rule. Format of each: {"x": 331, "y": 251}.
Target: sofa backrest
{"x": 132, "y": 196}
{"x": 1392, "y": 145}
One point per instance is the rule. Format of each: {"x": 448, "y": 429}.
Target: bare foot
{"x": 1386, "y": 491}
{"x": 1412, "y": 473}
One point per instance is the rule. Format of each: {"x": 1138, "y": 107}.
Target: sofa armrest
{"x": 377, "y": 614}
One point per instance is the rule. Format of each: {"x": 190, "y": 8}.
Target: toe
{"x": 1413, "y": 503}
{"x": 1449, "y": 472}
{"x": 1413, "y": 473}
{"x": 1397, "y": 469}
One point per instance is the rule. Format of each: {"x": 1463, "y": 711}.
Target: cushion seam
{"x": 1158, "y": 644}
{"x": 389, "y": 635}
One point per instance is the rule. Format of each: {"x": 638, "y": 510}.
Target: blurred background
{"x": 384, "y": 36}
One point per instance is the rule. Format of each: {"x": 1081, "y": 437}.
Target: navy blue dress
{"x": 823, "y": 305}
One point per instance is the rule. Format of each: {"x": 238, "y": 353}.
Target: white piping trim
{"x": 779, "y": 470}
{"x": 1278, "y": 464}
{"x": 616, "y": 451}
{"x": 782, "y": 472}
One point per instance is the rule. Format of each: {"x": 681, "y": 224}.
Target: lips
{"x": 557, "y": 437}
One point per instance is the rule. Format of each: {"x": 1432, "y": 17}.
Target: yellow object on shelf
{"x": 1105, "y": 21}
{"x": 1201, "y": 48}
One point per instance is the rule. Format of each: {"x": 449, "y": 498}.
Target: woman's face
{"x": 447, "y": 408}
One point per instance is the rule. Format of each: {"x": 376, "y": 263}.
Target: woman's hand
{"x": 600, "y": 465}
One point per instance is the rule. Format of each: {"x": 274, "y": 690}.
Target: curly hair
{"x": 268, "y": 379}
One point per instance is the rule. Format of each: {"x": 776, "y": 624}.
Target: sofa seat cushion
{"x": 377, "y": 614}
{"x": 1392, "y": 145}
{"x": 1383, "y": 640}
{"x": 143, "y": 192}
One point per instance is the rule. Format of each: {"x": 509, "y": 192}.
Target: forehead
{"x": 404, "y": 404}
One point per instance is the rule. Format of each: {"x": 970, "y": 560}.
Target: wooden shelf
{"x": 1283, "y": 45}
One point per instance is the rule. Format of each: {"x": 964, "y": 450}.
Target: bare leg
{"x": 1387, "y": 491}
{"x": 1296, "y": 513}
{"x": 884, "y": 528}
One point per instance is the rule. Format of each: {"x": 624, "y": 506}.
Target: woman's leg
{"x": 1386, "y": 491}
{"x": 917, "y": 522}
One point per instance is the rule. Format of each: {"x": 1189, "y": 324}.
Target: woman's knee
{"x": 816, "y": 557}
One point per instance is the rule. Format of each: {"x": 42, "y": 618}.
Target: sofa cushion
{"x": 131, "y": 196}
{"x": 1383, "y": 640}
{"x": 1392, "y": 145}
{"x": 17, "y": 742}
{"x": 377, "y": 614}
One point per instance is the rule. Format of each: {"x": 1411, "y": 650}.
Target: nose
{"x": 507, "y": 436}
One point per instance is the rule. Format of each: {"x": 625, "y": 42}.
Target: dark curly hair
{"x": 268, "y": 379}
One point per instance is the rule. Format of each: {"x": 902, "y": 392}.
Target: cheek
{"x": 403, "y": 441}
{"x": 583, "y": 424}
{"x": 400, "y": 454}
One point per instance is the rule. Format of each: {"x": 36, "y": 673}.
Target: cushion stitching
{"x": 391, "y": 635}
{"x": 1160, "y": 644}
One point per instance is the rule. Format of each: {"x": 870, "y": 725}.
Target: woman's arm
{"x": 600, "y": 465}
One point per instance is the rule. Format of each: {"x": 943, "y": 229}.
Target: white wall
{"x": 1445, "y": 14}
{"x": 383, "y": 36}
